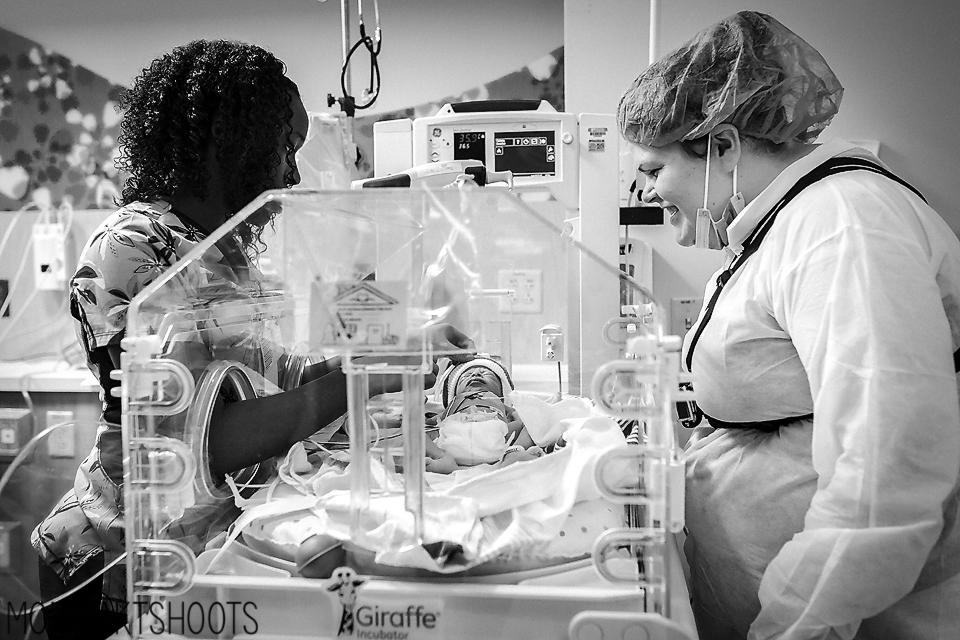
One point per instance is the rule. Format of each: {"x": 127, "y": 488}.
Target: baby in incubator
{"x": 476, "y": 425}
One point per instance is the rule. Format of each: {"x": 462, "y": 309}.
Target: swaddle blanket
{"x": 487, "y": 513}
{"x": 547, "y": 421}
{"x": 473, "y": 437}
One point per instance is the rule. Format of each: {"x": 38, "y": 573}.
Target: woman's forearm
{"x": 243, "y": 433}
{"x": 318, "y": 370}
{"x": 249, "y": 431}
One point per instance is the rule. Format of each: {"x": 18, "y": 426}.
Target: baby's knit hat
{"x": 451, "y": 376}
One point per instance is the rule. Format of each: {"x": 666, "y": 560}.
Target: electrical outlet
{"x": 551, "y": 343}
{"x": 49, "y": 256}
{"x": 16, "y": 425}
{"x": 61, "y": 443}
{"x": 9, "y": 538}
{"x": 683, "y": 313}
{"x": 551, "y": 347}
{"x": 527, "y": 287}
{"x": 4, "y": 292}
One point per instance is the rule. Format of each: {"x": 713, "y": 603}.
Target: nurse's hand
{"x": 444, "y": 340}
{"x": 447, "y": 340}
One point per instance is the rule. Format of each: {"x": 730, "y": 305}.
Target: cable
{"x": 16, "y": 278}
{"x": 17, "y": 461}
{"x": 27, "y": 448}
{"x": 45, "y": 355}
{"x": 45, "y": 218}
{"x": 106, "y": 568}
{"x": 374, "y": 84}
{"x": 66, "y": 205}
{"x": 58, "y": 317}
{"x": 372, "y": 44}
{"x": 25, "y": 392}
{"x": 13, "y": 223}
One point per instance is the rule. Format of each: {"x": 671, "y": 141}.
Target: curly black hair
{"x": 168, "y": 124}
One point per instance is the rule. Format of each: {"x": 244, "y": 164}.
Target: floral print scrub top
{"x": 124, "y": 255}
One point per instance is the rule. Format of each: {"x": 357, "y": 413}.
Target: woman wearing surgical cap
{"x": 822, "y": 499}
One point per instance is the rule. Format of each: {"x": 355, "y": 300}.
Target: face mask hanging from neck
{"x": 712, "y": 232}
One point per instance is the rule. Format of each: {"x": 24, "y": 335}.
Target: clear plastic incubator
{"x": 470, "y": 491}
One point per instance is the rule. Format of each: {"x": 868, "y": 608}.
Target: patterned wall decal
{"x": 59, "y": 124}
{"x": 58, "y": 128}
{"x": 542, "y": 79}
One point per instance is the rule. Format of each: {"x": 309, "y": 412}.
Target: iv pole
{"x": 345, "y": 40}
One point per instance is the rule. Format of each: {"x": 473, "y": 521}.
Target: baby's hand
{"x": 519, "y": 454}
{"x": 443, "y": 464}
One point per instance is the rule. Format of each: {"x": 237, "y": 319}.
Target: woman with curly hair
{"x": 206, "y": 128}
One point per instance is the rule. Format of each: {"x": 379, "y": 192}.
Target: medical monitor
{"x": 523, "y": 153}
{"x": 538, "y": 145}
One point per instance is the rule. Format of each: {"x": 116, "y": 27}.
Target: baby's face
{"x": 480, "y": 379}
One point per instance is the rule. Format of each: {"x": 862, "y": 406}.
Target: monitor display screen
{"x": 525, "y": 153}
{"x": 470, "y": 145}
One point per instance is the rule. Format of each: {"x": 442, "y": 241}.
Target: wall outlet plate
{"x": 683, "y": 313}
{"x": 49, "y": 256}
{"x": 15, "y": 430}
{"x": 62, "y": 442}
{"x": 551, "y": 347}
{"x": 10, "y": 547}
{"x": 527, "y": 288}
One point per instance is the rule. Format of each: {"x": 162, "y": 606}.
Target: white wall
{"x": 596, "y": 72}
{"x": 428, "y": 45}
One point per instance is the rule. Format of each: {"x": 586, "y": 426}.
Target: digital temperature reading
{"x": 470, "y": 145}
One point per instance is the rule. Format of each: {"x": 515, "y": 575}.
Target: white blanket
{"x": 491, "y": 512}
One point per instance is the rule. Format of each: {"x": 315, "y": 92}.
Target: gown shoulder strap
{"x": 832, "y": 166}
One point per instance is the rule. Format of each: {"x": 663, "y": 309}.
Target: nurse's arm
{"x": 249, "y": 431}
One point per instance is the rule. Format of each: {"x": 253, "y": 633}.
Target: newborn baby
{"x": 476, "y": 426}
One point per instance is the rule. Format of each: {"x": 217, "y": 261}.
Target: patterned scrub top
{"x": 124, "y": 255}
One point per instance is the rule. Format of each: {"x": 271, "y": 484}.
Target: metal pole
{"x": 654, "y": 29}
{"x": 345, "y": 36}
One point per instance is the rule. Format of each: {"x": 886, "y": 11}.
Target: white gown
{"x": 845, "y": 525}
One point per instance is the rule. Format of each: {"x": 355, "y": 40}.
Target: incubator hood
{"x": 546, "y": 536}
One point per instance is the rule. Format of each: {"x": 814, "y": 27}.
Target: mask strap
{"x": 728, "y": 213}
{"x": 704, "y": 219}
{"x": 706, "y": 180}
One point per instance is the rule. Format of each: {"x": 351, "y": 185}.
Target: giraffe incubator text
{"x": 376, "y": 622}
